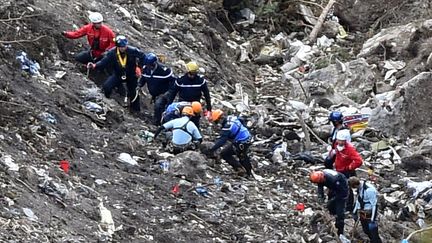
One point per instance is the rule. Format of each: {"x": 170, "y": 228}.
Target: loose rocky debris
{"x": 120, "y": 185}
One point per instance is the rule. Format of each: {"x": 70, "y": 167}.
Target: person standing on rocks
{"x": 159, "y": 80}
{"x": 366, "y": 206}
{"x": 190, "y": 87}
{"x": 337, "y": 195}
{"x": 174, "y": 110}
{"x": 336, "y": 118}
{"x": 347, "y": 160}
{"x": 185, "y": 135}
{"x": 124, "y": 59}
{"x": 99, "y": 36}
{"x": 233, "y": 130}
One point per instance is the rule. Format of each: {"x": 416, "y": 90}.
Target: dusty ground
{"x": 138, "y": 197}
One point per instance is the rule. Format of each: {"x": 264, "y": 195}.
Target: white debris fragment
{"x": 100, "y": 182}
{"x": 29, "y": 213}
{"x": 418, "y": 186}
{"x": 127, "y": 158}
{"x": 107, "y": 222}
{"x": 9, "y": 162}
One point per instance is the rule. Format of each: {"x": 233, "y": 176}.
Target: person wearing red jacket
{"x": 347, "y": 160}
{"x": 99, "y": 36}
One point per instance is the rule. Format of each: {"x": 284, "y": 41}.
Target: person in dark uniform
{"x": 124, "y": 59}
{"x": 191, "y": 87}
{"x": 337, "y": 184}
{"x": 159, "y": 80}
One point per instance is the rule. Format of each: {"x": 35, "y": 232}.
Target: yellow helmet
{"x": 216, "y": 115}
{"x": 192, "y": 67}
{"x": 196, "y": 107}
{"x": 187, "y": 111}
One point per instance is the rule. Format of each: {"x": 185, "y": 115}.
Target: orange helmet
{"x": 216, "y": 115}
{"x": 196, "y": 107}
{"x": 187, "y": 111}
{"x": 317, "y": 177}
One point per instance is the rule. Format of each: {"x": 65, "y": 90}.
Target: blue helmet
{"x": 150, "y": 59}
{"x": 121, "y": 41}
{"x": 336, "y": 116}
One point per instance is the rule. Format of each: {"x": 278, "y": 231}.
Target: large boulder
{"x": 397, "y": 40}
{"x": 406, "y": 110}
{"x": 353, "y": 80}
{"x": 190, "y": 164}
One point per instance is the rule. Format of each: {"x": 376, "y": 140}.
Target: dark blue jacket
{"x": 158, "y": 81}
{"x": 234, "y": 130}
{"x": 134, "y": 57}
{"x": 336, "y": 182}
{"x": 190, "y": 90}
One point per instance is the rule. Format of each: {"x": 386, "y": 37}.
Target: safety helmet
{"x": 317, "y": 177}
{"x": 192, "y": 67}
{"x": 150, "y": 59}
{"x": 187, "y": 111}
{"x": 196, "y": 107}
{"x": 343, "y": 135}
{"x": 95, "y": 17}
{"x": 336, "y": 116}
{"x": 216, "y": 115}
{"x": 121, "y": 41}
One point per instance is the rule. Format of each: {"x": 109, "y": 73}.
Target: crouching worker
{"x": 174, "y": 110}
{"x": 337, "y": 184}
{"x": 185, "y": 135}
{"x": 366, "y": 206}
{"x": 234, "y": 131}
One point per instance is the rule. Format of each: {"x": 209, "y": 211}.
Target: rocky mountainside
{"x": 371, "y": 59}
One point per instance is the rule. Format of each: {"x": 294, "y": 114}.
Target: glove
{"x": 138, "y": 72}
{"x": 332, "y": 153}
{"x": 373, "y": 225}
{"x": 91, "y": 65}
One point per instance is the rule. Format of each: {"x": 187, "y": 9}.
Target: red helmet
{"x": 317, "y": 177}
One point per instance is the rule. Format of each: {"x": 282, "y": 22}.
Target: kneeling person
{"x": 175, "y": 109}
{"x": 185, "y": 134}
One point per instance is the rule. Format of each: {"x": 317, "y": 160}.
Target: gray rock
{"x": 397, "y": 39}
{"x": 356, "y": 82}
{"x": 406, "y": 111}
{"x": 190, "y": 164}
{"x": 416, "y": 162}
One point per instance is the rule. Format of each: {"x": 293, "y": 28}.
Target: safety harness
{"x": 184, "y": 128}
{"x": 182, "y": 148}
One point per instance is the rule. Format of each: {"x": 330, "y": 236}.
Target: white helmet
{"x": 344, "y": 135}
{"x": 95, "y": 17}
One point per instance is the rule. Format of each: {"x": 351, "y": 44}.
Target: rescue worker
{"x": 185, "y": 135}
{"x": 239, "y": 136}
{"x": 336, "y": 118}
{"x": 159, "y": 80}
{"x": 366, "y": 206}
{"x": 99, "y": 36}
{"x": 347, "y": 160}
{"x": 190, "y": 87}
{"x": 337, "y": 195}
{"x": 124, "y": 60}
{"x": 174, "y": 110}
